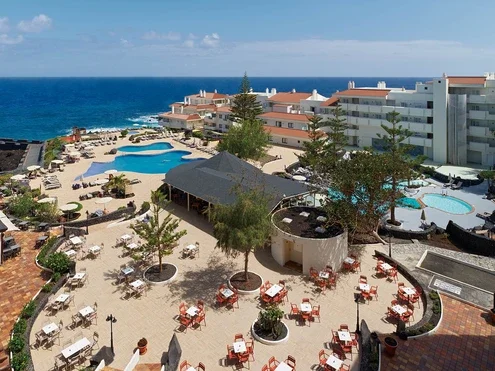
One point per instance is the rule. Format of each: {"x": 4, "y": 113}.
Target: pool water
{"x": 446, "y": 203}
{"x": 408, "y": 202}
{"x": 160, "y": 146}
{"x": 416, "y": 182}
{"x": 146, "y": 164}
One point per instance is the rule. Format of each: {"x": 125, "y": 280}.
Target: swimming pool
{"x": 146, "y": 164}
{"x": 415, "y": 182}
{"x": 406, "y": 202}
{"x": 448, "y": 204}
{"x": 160, "y": 146}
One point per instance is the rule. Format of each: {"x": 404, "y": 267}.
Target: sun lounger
{"x": 135, "y": 181}
{"x": 456, "y": 186}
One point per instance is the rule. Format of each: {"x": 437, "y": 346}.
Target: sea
{"x": 43, "y": 108}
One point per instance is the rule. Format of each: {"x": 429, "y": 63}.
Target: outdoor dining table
{"x": 42, "y": 238}
{"x": 349, "y": 260}
{"x": 273, "y": 290}
{"x": 192, "y": 311}
{"x": 23, "y": 225}
{"x": 408, "y": 291}
{"x": 94, "y": 249}
{"x": 324, "y": 275}
{"x": 364, "y": 287}
{"x": 75, "y": 348}
{"x": 399, "y": 309}
{"x": 334, "y": 362}
{"x": 127, "y": 270}
{"x": 62, "y": 298}
{"x": 282, "y": 366}
{"x": 305, "y": 307}
{"x": 226, "y": 293}
{"x": 79, "y": 276}
{"x": 42, "y": 226}
{"x": 386, "y": 266}
{"x": 137, "y": 284}
{"x": 8, "y": 240}
{"x": 48, "y": 329}
{"x": 75, "y": 241}
{"x": 132, "y": 246}
{"x": 70, "y": 253}
{"x": 86, "y": 311}
{"x": 239, "y": 347}
{"x": 344, "y": 335}
{"x": 125, "y": 238}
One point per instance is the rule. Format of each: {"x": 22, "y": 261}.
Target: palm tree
{"x": 243, "y": 226}
{"x": 118, "y": 184}
{"x": 160, "y": 236}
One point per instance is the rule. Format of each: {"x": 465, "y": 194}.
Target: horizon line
{"x": 202, "y": 77}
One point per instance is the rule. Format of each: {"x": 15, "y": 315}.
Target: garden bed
{"x": 267, "y": 337}
{"x": 154, "y": 275}
{"x": 423, "y": 327}
{"x": 253, "y": 283}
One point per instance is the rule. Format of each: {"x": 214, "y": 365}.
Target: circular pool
{"x": 448, "y": 204}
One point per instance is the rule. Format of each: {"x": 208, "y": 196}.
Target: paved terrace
{"x": 465, "y": 340}
{"x": 20, "y": 280}
{"x": 154, "y": 315}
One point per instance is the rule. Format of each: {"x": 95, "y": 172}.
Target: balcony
{"x": 481, "y": 99}
{"x": 418, "y": 141}
{"x": 406, "y": 111}
{"x": 477, "y": 146}
{"x": 478, "y": 115}
{"x": 351, "y": 132}
{"x": 479, "y": 131}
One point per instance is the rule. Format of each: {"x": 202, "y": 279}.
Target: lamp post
{"x": 112, "y": 320}
{"x": 357, "y": 297}
{"x": 390, "y": 244}
{"x": 87, "y": 222}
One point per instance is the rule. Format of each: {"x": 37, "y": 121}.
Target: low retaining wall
{"x": 427, "y": 302}
{"x": 471, "y": 242}
{"x": 369, "y": 349}
{"x": 465, "y": 182}
{"x": 114, "y": 215}
{"x": 407, "y": 234}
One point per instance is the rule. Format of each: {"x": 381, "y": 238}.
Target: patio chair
{"x": 41, "y": 337}
{"x": 273, "y": 363}
{"x": 322, "y": 357}
{"x": 315, "y": 312}
{"x": 374, "y": 291}
{"x": 96, "y": 337}
{"x": 250, "y": 348}
{"x": 201, "y": 367}
{"x": 321, "y": 284}
{"x": 184, "y": 366}
{"x": 185, "y": 321}
{"x": 363, "y": 279}
{"x": 200, "y": 317}
{"x": 456, "y": 186}
{"x": 393, "y": 274}
{"x": 231, "y": 355}
{"x": 238, "y": 337}
{"x": 291, "y": 361}
{"x": 294, "y": 310}
{"x": 60, "y": 363}
{"x": 234, "y": 299}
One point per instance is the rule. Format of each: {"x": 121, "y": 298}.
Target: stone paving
{"x": 20, "y": 280}
{"x": 465, "y": 340}
{"x": 154, "y": 315}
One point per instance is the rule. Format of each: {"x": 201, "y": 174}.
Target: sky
{"x": 264, "y": 38}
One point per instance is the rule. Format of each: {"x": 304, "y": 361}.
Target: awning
{"x": 6, "y": 221}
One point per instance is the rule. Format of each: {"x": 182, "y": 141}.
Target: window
{"x": 220, "y": 126}
{"x": 290, "y": 125}
{"x": 278, "y": 124}
{"x": 429, "y": 104}
{"x": 429, "y": 120}
{"x": 284, "y": 140}
{"x": 220, "y": 116}
{"x": 366, "y": 115}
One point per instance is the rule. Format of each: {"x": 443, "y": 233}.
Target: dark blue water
{"x": 41, "y": 108}
{"x": 146, "y": 164}
{"x": 160, "y": 146}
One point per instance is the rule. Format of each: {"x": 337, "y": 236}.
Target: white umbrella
{"x": 47, "y": 200}
{"x": 89, "y": 147}
{"x": 101, "y": 181}
{"x": 33, "y": 168}
{"x": 74, "y": 154}
{"x": 18, "y": 177}
{"x": 299, "y": 178}
{"x": 104, "y": 201}
{"x": 111, "y": 172}
{"x": 57, "y": 162}
{"x": 68, "y": 207}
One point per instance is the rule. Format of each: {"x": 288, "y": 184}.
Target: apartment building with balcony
{"x": 180, "y": 121}
{"x": 452, "y": 118}
{"x": 218, "y": 119}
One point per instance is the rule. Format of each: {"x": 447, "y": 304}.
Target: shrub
{"x": 44, "y": 251}
{"x": 434, "y": 295}
{"x": 197, "y": 134}
{"x": 138, "y": 140}
{"x": 28, "y": 309}
{"x": 124, "y": 133}
{"x": 47, "y": 288}
{"x": 56, "y": 277}
{"x": 16, "y": 344}
{"x": 79, "y": 206}
{"x": 20, "y": 361}
{"x": 270, "y": 319}
{"x": 22, "y": 206}
{"x": 145, "y": 206}
{"x": 20, "y": 326}
{"x": 58, "y": 262}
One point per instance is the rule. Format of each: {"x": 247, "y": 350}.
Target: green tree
{"x": 22, "y": 206}
{"x": 47, "y": 212}
{"x": 315, "y": 148}
{"x": 244, "y": 226}
{"x": 337, "y": 140}
{"x": 118, "y": 185}
{"x": 244, "y": 106}
{"x": 358, "y": 198}
{"x": 247, "y": 140}
{"x": 160, "y": 236}
{"x": 401, "y": 164}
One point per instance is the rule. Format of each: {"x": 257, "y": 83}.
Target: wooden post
{"x": 209, "y": 212}
{"x": 169, "y": 192}
{"x": 188, "y": 202}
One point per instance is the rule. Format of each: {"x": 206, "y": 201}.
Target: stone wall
{"x": 102, "y": 219}
{"x": 471, "y": 242}
{"x": 407, "y": 234}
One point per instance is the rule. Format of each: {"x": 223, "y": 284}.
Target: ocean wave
{"x": 146, "y": 119}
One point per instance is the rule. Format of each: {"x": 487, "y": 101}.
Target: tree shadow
{"x": 202, "y": 283}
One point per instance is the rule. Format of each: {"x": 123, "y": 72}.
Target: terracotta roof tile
{"x": 284, "y": 116}
{"x": 330, "y": 102}
{"x": 381, "y": 93}
{"x": 180, "y": 116}
{"x": 209, "y": 96}
{"x": 467, "y": 80}
{"x": 294, "y": 133}
{"x": 289, "y": 97}
{"x": 223, "y": 109}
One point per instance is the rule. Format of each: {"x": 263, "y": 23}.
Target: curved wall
{"x": 313, "y": 252}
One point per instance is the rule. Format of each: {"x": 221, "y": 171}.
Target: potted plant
{"x": 269, "y": 328}
{"x": 142, "y": 346}
{"x": 390, "y": 345}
